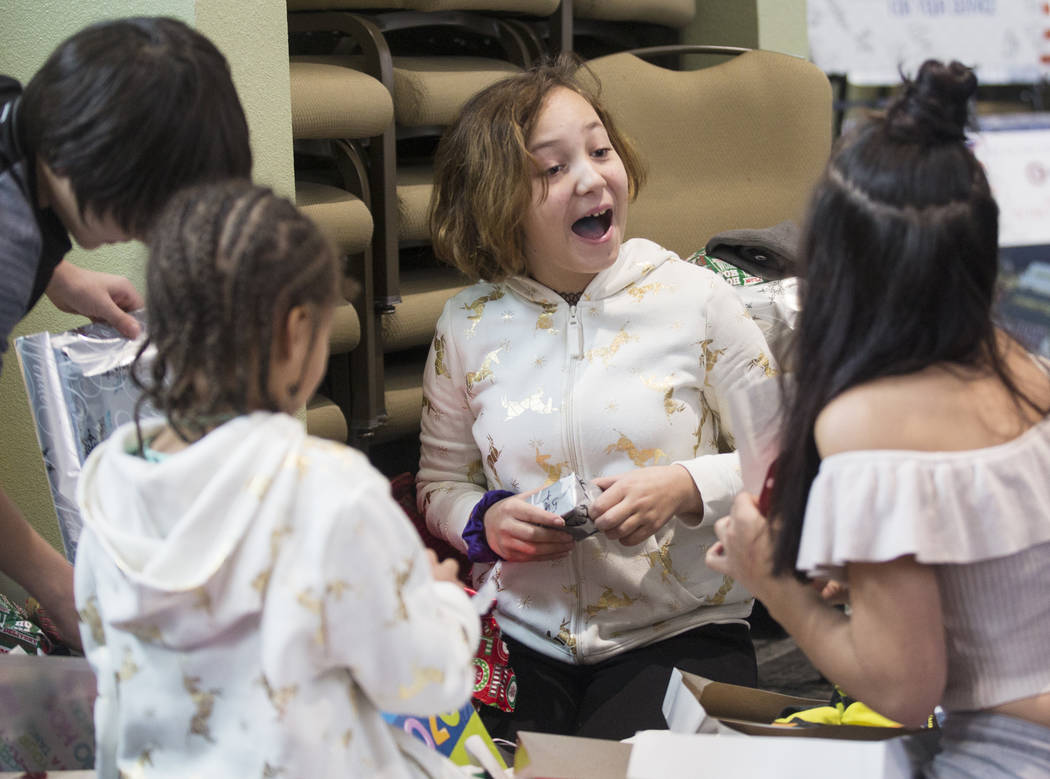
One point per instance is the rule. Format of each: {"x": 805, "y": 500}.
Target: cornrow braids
{"x": 228, "y": 262}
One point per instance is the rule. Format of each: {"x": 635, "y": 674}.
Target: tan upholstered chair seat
{"x": 671, "y": 13}
{"x": 325, "y": 419}
{"x": 532, "y": 7}
{"x": 423, "y": 296}
{"x": 415, "y": 183}
{"x": 331, "y": 100}
{"x": 735, "y": 145}
{"x": 346, "y": 330}
{"x": 343, "y": 218}
{"x": 428, "y": 90}
{"x": 403, "y": 396}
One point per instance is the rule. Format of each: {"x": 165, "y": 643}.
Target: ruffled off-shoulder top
{"x": 982, "y": 517}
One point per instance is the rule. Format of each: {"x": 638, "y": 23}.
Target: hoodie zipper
{"x": 574, "y": 351}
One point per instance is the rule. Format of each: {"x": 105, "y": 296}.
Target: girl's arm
{"x": 407, "y": 639}
{"x": 732, "y": 354}
{"x": 451, "y": 480}
{"x": 889, "y": 652}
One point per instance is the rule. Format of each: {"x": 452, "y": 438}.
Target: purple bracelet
{"x": 478, "y": 549}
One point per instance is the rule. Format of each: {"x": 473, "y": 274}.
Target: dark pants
{"x": 617, "y": 697}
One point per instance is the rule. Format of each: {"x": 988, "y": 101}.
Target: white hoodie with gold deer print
{"x": 521, "y": 388}
{"x": 251, "y": 604}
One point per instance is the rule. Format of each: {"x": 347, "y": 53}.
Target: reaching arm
{"x": 407, "y": 638}
{"x": 889, "y": 653}
{"x": 34, "y": 564}
{"x": 102, "y": 297}
{"x": 734, "y": 355}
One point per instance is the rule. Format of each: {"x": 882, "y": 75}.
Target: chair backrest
{"x": 735, "y": 145}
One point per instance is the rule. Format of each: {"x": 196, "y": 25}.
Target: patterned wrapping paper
{"x": 46, "y": 706}
{"x": 80, "y": 390}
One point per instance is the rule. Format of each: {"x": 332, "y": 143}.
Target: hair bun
{"x": 934, "y": 106}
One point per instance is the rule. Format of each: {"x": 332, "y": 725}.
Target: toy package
{"x": 571, "y": 499}
{"x": 80, "y": 389}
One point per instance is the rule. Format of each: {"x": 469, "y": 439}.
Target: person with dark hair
{"x": 252, "y": 596}
{"x": 120, "y": 116}
{"x": 578, "y": 351}
{"x": 915, "y": 456}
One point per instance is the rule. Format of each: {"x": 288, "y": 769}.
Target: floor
{"x": 782, "y": 667}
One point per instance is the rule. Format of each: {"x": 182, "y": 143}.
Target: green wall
{"x": 253, "y": 36}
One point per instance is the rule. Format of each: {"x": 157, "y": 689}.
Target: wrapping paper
{"x": 46, "y": 706}
{"x": 80, "y": 389}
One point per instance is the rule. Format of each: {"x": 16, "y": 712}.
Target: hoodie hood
{"x": 169, "y": 526}
{"x": 637, "y": 259}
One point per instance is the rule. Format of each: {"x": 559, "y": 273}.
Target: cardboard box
{"x": 659, "y": 754}
{"x": 547, "y": 756}
{"x": 694, "y": 704}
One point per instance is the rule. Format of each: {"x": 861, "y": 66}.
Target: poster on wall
{"x": 872, "y": 41}
{"x": 1015, "y": 152}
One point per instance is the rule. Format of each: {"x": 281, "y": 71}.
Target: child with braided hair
{"x": 251, "y": 597}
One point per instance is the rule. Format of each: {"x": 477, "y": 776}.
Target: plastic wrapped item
{"x": 774, "y": 305}
{"x": 571, "y": 499}
{"x": 80, "y": 390}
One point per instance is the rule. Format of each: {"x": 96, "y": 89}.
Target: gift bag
{"x": 80, "y": 389}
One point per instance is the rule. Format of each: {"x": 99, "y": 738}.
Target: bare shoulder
{"x": 889, "y": 413}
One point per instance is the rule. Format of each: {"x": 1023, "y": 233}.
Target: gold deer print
{"x": 315, "y": 605}
{"x": 662, "y": 559}
{"x": 606, "y": 353}
{"x": 421, "y": 677}
{"x": 609, "y": 600}
{"x": 640, "y": 457}
{"x": 258, "y": 486}
{"x": 485, "y": 371}
{"x": 128, "y": 667}
{"x": 710, "y": 356}
{"x": 554, "y": 471}
{"x": 277, "y": 536}
{"x": 280, "y": 698}
{"x": 400, "y": 580}
{"x": 204, "y": 702}
{"x": 533, "y": 402}
{"x": 493, "y": 458}
{"x": 348, "y": 736}
{"x": 666, "y": 386}
{"x": 89, "y": 616}
{"x": 477, "y": 308}
{"x": 639, "y": 292}
{"x": 705, "y": 415}
{"x": 272, "y": 771}
{"x": 545, "y": 321}
{"x": 138, "y": 769}
{"x": 428, "y": 407}
{"x": 566, "y": 638}
{"x": 439, "y": 357}
{"x": 149, "y": 633}
{"x": 476, "y": 473}
{"x": 202, "y": 600}
{"x": 720, "y": 597}
{"x": 762, "y": 361}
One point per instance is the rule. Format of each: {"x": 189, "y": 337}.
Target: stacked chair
{"x": 334, "y": 110}
{"x": 430, "y": 56}
{"x": 732, "y": 146}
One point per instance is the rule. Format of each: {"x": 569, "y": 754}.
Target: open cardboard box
{"x": 547, "y": 756}
{"x": 694, "y": 704}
